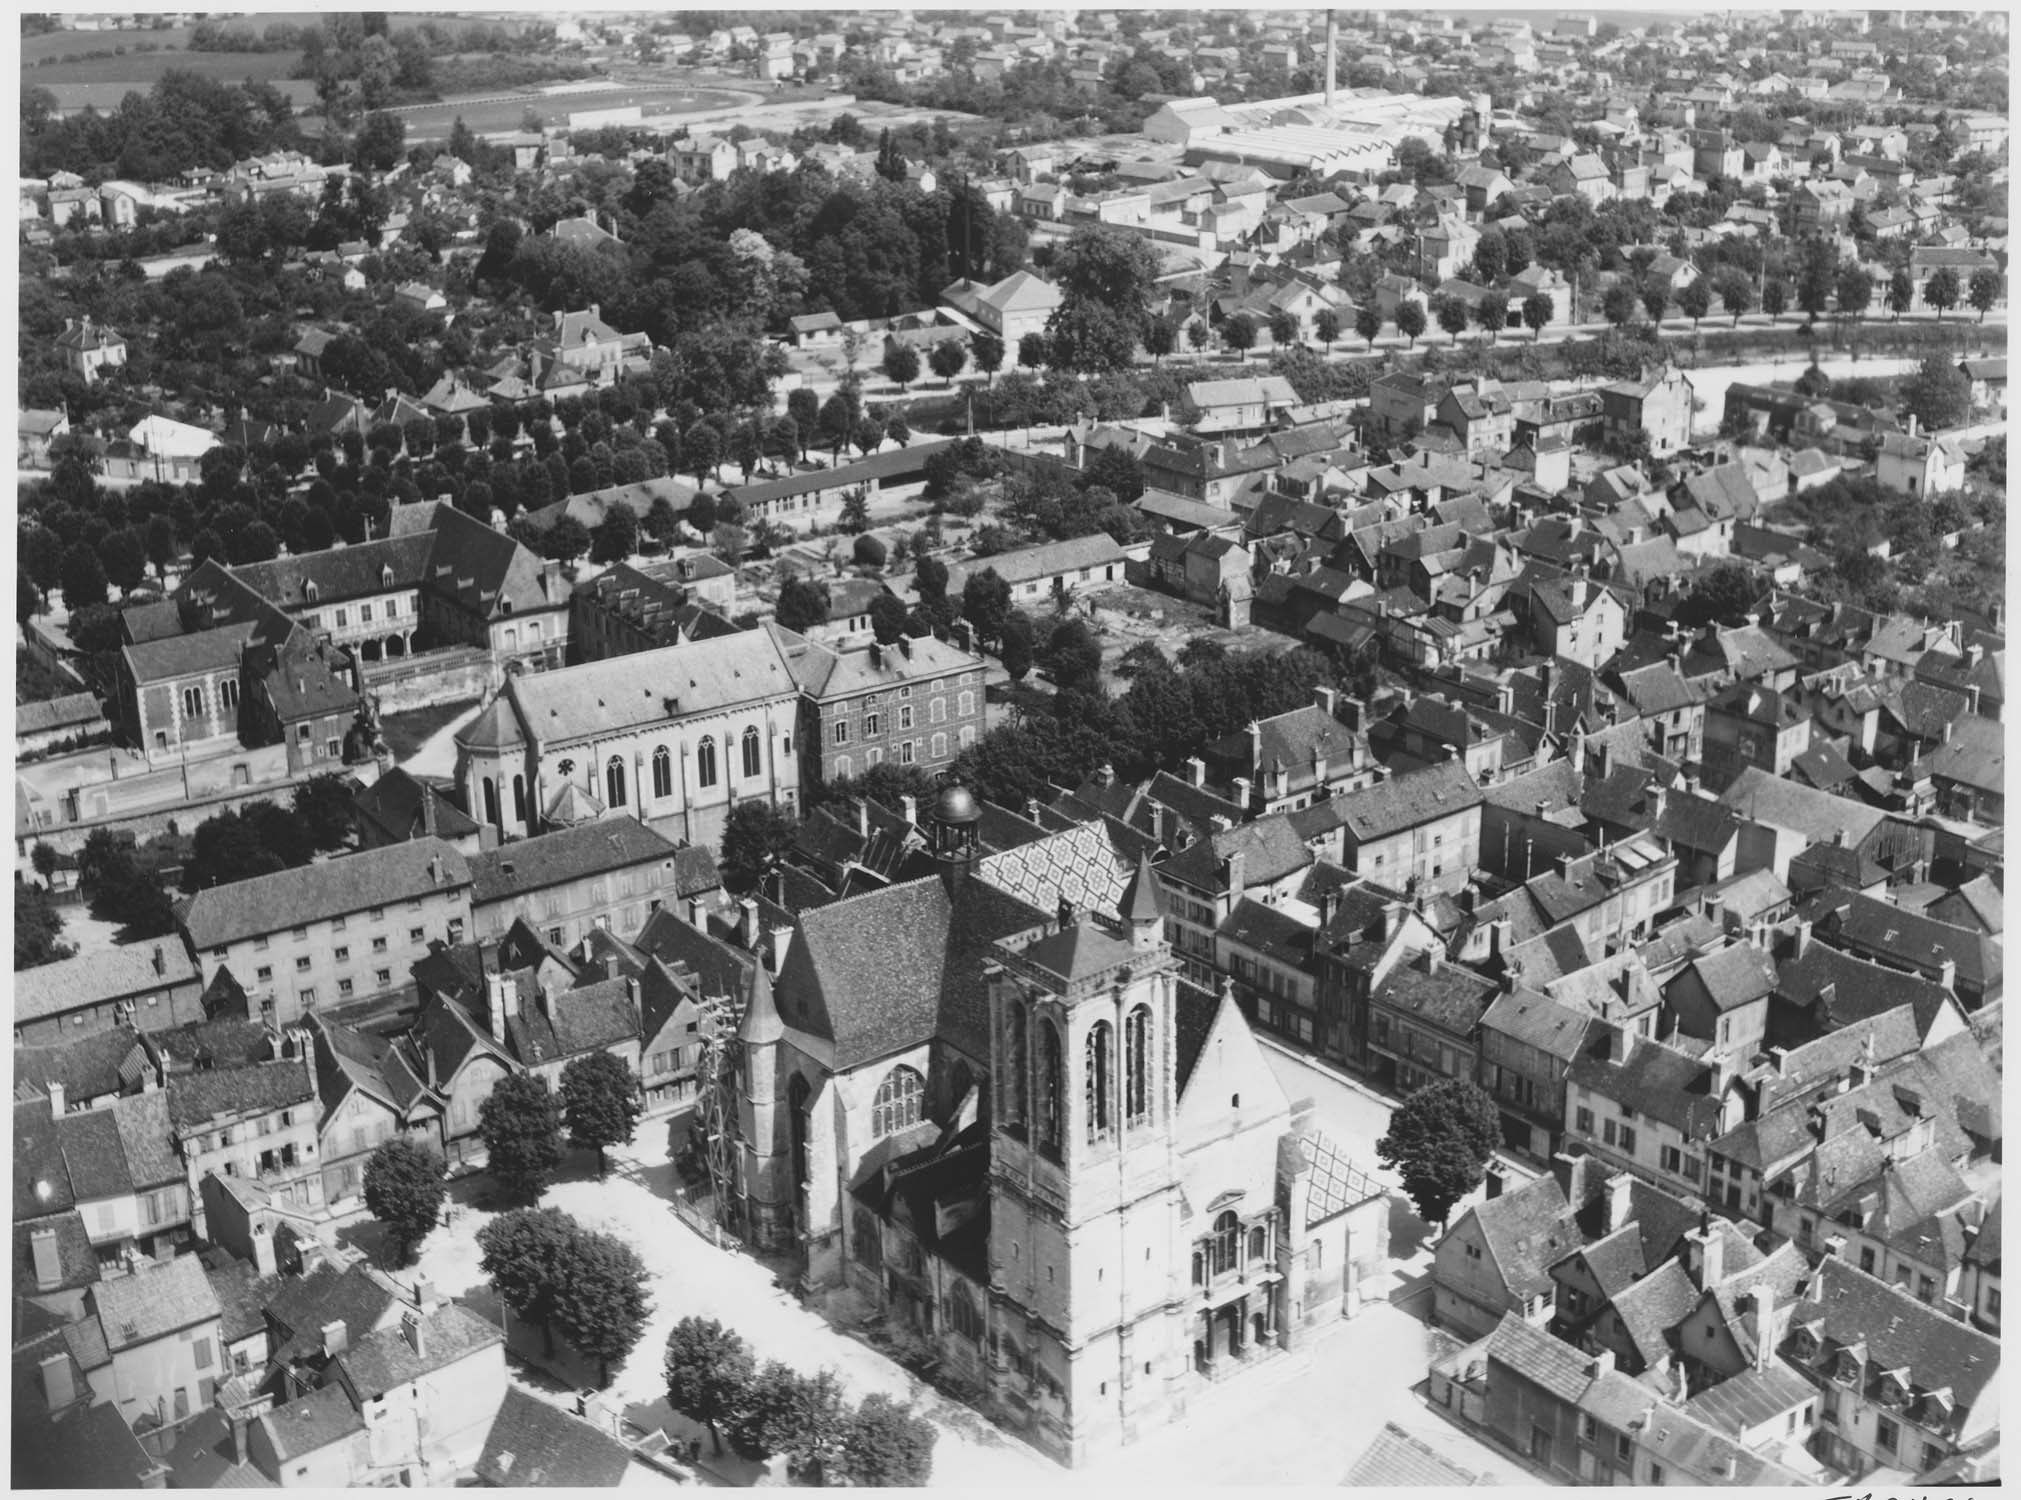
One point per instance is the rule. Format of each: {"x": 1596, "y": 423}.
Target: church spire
{"x": 1143, "y": 905}
{"x": 761, "y": 1025}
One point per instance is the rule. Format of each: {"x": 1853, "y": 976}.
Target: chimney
{"x": 1196, "y": 770}
{"x": 747, "y": 924}
{"x": 262, "y": 1235}
{"x": 1255, "y": 745}
{"x": 1065, "y": 913}
{"x": 239, "y": 1425}
{"x": 159, "y": 961}
{"x": 1242, "y": 792}
{"x": 48, "y": 1262}
{"x": 1659, "y": 795}
{"x": 413, "y": 1328}
{"x": 909, "y": 808}
{"x": 782, "y": 938}
{"x": 1601, "y": 1362}
{"x": 1913, "y": 424}
{"x": 502, "y": 997}
{"x": 1328, "y": 699}
{"x": 1947, "y": 976}
{"x": 1764, "y": 1325}
{"x": 1237, "y": 884}
{"x": 1392, "y": 918}
{"x": 336, "y": 1338}
{"x": 57, "y": 1385}
{"x": 1620, "y": 1200}
{"x": 57, "y": 1102}
{"x": 1802, "y": 937}
{"x": 1621, "y": 1043}
{"x": 1499, "y": 937}
{"x": 1493, "y": 1180}
{"x": 1705, "y": 1255}
{"x": 424, "y": 1295}
{"x": 695, "y": 913}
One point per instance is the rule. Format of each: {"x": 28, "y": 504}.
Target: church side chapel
{"x": 1019, "y": 1136}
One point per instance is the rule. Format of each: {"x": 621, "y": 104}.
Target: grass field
{"x": 491, "y": 112}
{"x": 406, "y": 732}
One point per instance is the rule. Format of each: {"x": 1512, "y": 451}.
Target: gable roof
{"x": 524, "y": 866}
{"x": 1526, "y": 1230}
{"x": 224, "y": 914}
{"x": 535, "y": 1444}
{"x": 154, "y": 1301}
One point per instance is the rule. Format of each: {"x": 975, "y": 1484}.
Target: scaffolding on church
{"x": 717, "y": 1071}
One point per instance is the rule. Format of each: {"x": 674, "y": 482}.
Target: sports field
{"x": 485, "y": 113}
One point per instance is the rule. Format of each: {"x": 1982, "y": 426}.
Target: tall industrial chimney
{"x": 1332, "y": 49}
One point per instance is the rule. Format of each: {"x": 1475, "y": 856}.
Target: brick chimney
{"x": 414, "y": 1328}
{"x": 336, "y": 1338}
{"x": 58, "y": 1386}
{"x": 502, "y": 997}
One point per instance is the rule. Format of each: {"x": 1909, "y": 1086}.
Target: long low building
{"x": 816, "y": 496}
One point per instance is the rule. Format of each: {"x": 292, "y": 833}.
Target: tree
{"x": 616, "y": 536}
{"x": 1856, "y": 291}
{"x": 1722, "y": 596}
{"x": 948, "y": 358}
{"x": 1283, "y": 327}
{"x": 1440, "y": 1139}
{"x": 403, "y": 1190}
{"x": 1619, "y": 304}
{"x": 600, "y": 1103}
{"x": 1197, "y": 335}
{"x": 986, "y": 604}
{"x": 702, "y": 451}
{"x": 27, "y": 598}
{"x": 855, "y": 517}
{"x": 1015, "y": 649}
{"x": 380, "y": 143}
{"x": 1941, "y": 291}
{"x": 888, "y": 1444}
{"x": 1937, "y": 395}
{"x": 322, "y": 805}
{"x": 754, "y": 836}
{"x": 801, "y": 1416}
{"x": 124, "y": 556}
{"x": 1901, "y": 292}
{"x": 989, "y": 352}
{"x": 523, "y": 1256}
{"x": 1239, "y": 334}
{"x": 1695, "y": 301}
{"x": 1105, "y": 276}
{"x": 901, "y": 365}
{"x": 1452, "y": 316}
{"x": 803, "y": 604}
{"x": 600, "y": 1301}
{"x": 1817, "y": 271}
{"x": 1656, "y": 300}
{"x": 83, "y": 578}
{"x": 1775, "y": 298}
{"x": 1326, "y": 325}
{"x": 888, "y": 619}
{"x": 1073, "y": 656}
{"x": 702, "y": 512}
{"x": 1159, "y": 339}
{"x": 162, "y": 543}
{"x": 566, "y": 540}
{"x": 1538, "y": 310}
{"x": 1736, "y": 295}
{"x": 1984, "y": 290}
{"x": 709, "y": 1373}
{"x": 869, "y": 552}
{"x": 521, "y": 1126}
{"x": 37, "y": 927}
{"x": 1410, "y": 320}
{"x": 1492, "y": 314}
{"x": 1368, "y": 323}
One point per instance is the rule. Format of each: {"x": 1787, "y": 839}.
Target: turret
{"x": 1143, "y": 907}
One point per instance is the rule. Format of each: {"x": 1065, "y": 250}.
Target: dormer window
{"x": 386, "y": 577}
{"x": 309, "y": 590}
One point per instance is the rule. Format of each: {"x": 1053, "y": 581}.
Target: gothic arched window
{"x": 1050, "y": 1106}
{"x": 705, "y": 762}
{"x": 898, "y": 1101}
{"x": 753, "y": 754}
{"x": 1100, "y": 1081}
{"x": 1016, "y": 1064}
{"x": 962, "y": 1313}
{"x": 1137, "y": 1065}
{"x": 519, "y": 799}
{"x": 614, "y": 781}
{"x": 663, "y": 773}
{"x": 490, "y": 800}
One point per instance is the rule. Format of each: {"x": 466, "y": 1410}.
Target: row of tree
{"x": 776, "y": 1411}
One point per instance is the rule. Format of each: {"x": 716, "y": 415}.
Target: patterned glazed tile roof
{"x": 1083, "y": 865}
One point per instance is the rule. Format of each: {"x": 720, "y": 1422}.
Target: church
{"x": 986, "y": 1104}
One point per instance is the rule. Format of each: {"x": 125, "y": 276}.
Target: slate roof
{"x": 1852, "y": 1309}
{"x": 523, "y": 866}
{"x": 1396, "y": 1460}
{"x": 312, "y": 1422}
{"x": 1783, "y": 803}
{"x": 1408, "y": 801}
{"x": 1271, "y": 848}
{"x": 94, "y": 1156}
{"x": 224, "y": 914}
{"x": 588, "y": 1018}
{"x": 1736, "y": 975}
{"x": 194, "y": 1099}
{"x": 535, "y": 1444}
{"x": 341, "y": 573}
{"x": 146, "y": 1139}
{"x": 154, "y": 1301}
{"x": 1548, "y": 1362}
{"x": 302, "y": 1306}
{"x": 384, "y": 1360}
{"x": 1659, "y": 1081}
{"x": 603, "y": 698}
{"x": 1449, "y": 997}
{"x": 1861, "y": 990}
{"x": 1869, "y": 925}
{"x": 1526, "y": 1230}
{"x": 87, "y": 1067}
{"x": 405, "y": 807}
{"x": 1654, "y": 1305}
{"x": 887, "y": 970}
{"x": 1751, "y": 1398}
{"x": 109, "y": 974}
{"x": 89, "y": 1448}
{"x": 1536, "y": 1020}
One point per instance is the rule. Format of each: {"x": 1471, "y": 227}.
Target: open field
{"x": 503, "y": 111}
{"x": 139, "y": 70}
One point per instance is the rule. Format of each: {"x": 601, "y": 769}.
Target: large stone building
{"x": 674, "y": 737}
{"x": 1008, "y": 1122}
{"x": 912, "y": 703}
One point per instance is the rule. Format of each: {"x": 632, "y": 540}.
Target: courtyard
{"x": 1304, "y": 1417}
